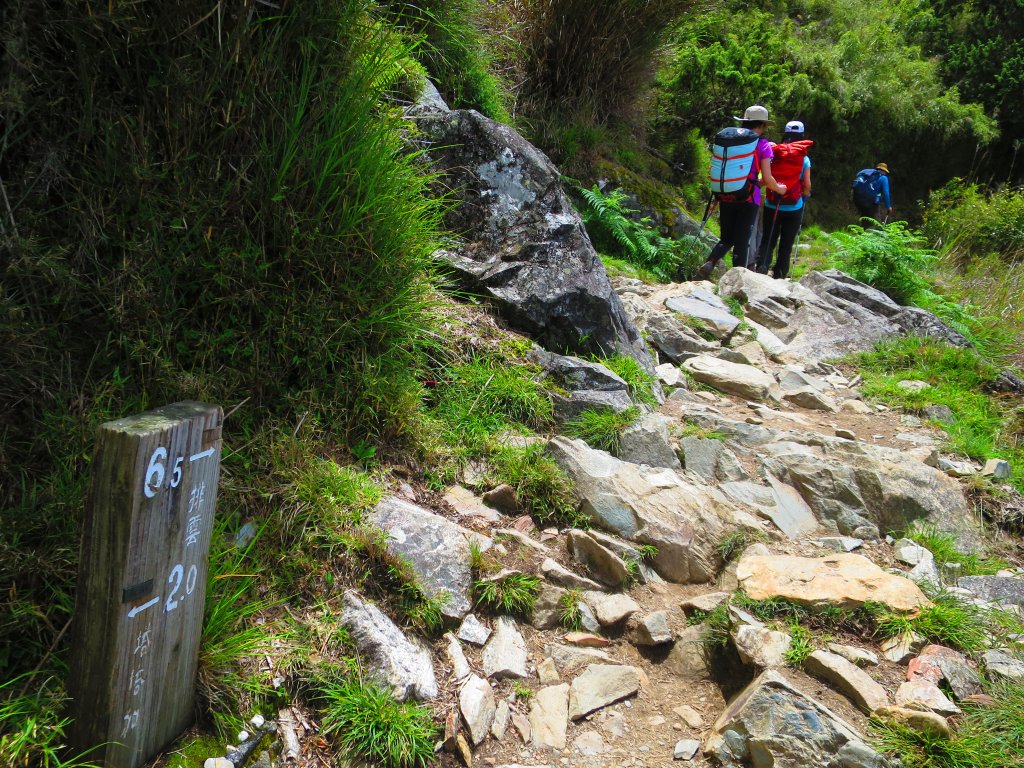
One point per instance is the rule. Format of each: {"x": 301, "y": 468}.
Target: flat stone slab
{"x": 922, "y": 693}
{"x": 842, "y": 579}
{"x": 600, "y": 685}
{"x": 476, "y": 704}
{"x": 706, "y": 308}
{"x": 406, "y": 667}
{"x": 745, "y": 381}
{"x": 437, "y": 549}
{"x": 854, "y": 682}
{"x": 505, "y": 653}
{"x": 549, "y": 719}
{"x": 1005, "y": 590}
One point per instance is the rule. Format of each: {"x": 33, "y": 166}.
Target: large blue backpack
{"x": 866, "y": 187}
{"x": 733, "y": 154}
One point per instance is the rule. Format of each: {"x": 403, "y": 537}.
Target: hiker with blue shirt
{"x": 871, "y": 189}
{"x": 784, "y": 214}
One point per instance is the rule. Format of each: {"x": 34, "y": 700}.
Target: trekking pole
{"x": 708, "y": 210}
{"x": 771, "y": 236}
{"x": 796, "y": 243}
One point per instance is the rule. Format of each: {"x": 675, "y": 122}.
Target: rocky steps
{"x": 756, "y": 438}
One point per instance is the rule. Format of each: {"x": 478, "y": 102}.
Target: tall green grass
{"x": 215, "y": 206}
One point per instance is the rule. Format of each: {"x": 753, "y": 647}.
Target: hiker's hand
{"x": 781, "y": 189}
{"x": 889, "y": 211}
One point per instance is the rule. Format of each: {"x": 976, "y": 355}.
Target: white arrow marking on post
{"x": 140, "y": 608}
{"x": 203, "y": 455}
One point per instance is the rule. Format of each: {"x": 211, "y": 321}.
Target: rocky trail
{"x": 755, "y": 443}
{"x": 761, "y": 474}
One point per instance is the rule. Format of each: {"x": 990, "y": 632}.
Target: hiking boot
{"x": 705, "y": 270}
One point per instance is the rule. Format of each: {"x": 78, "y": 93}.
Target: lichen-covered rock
{"x": 772, "y": 724}
{"x": 525, "y": 246}
{"x": 404, "y": 666}
{"x": 437, "y": 549}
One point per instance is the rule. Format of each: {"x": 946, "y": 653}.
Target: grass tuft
{"x": 368, "y": 724}
{"x": 570, "y": 615}
{"x": 640, "y": 382}
{"x": 602, "y": 429}
{"x": 514, "y": 595}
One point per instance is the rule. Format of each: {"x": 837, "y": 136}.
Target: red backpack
{"x": 788, "y": 169}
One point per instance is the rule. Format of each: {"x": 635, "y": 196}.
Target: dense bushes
{"x": 207, "y": 206}
{"x": 972, "y": 224}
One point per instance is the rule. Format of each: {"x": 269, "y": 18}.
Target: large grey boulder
{"x": 580, "y": 385}
{"x": 1002, "y": 590}
{"x": 649, "y": 506}
{"x": 772, "y": 724}
{"x": 871, "y": 488}
{"x": 437, "y": 549}
{"x": 525, "y": 246}
{"x": 646, "y": 441}
{"x": 404, "y": 666}
{"x": 676, "y": 340}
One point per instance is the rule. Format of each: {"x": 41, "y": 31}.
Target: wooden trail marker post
{"x": 142, "y": 581}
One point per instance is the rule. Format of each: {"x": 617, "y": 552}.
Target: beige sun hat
{"x": 756, "y": 113}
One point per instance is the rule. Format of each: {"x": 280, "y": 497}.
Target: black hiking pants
{"x": 780, "y": 229}
{"x": 736, "y": 220}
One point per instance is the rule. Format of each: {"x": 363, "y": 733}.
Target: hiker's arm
{"x": 768, "y": 179}
{"x": 806, "y": 181}
{"x": 886, "y": 200}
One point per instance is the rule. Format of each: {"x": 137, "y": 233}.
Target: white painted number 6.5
{"x": 155, "y": 472}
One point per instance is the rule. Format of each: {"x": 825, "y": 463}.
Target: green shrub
{"x": 514, "y": 594}
{"x": 541, "y": 486}
{"x": 638, "y": 379}
{"x": 801, "y": 645}
{"x": 948, "y": 621}
{"x": 368, "y": 724}
{"x": 450, "y": 45}
{"x": 973, "y": 223}
{"x": 616, "y": 230}
{"x": 32, "y": 727}
{"x": 987, "y": 734}
{"x": 570, "y": 615}
{"x": 889, "y": 258}
{"x": 943, "y": 547}
{"x": 602, "y": 429}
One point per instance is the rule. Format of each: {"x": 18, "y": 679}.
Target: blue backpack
{"x": 867, "y": 187}
{"x": 733, "y": 154}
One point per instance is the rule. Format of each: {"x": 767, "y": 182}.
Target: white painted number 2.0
{"x": 157, "y": 471}
{"x": 176, "y": 577}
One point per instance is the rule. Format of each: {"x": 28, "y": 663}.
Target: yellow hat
{"x": 883, "y": 168}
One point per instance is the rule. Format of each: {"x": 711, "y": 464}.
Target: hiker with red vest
{"x": 738, "y": 211}
{"x": 784, "y": 214}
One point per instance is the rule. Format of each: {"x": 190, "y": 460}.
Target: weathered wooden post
{"x": 142, "y": 581}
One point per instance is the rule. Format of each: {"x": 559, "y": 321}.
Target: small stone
{"x": 502, "y": 498}
{"x": 1002, "y": 664}
{"x": 472, "y": 631}
{"x": 841, "y": 543}
{"x": 548, "y": 672}
{"x": 859, "y": 656}
{"x": 925, "y": 694}
{"x": 854, "y": 683}
{"x": 761, "y": 646}
{"x": 587, "y": 640}
{"x": 912, "y": 385}
{"x": 686, "y": 749}
{"x": 927, "y": 723}
{"x": 706, "y": 602}
{"x": 653, "y": 630}
{"x": 257, "y": 721}
{"x": 689, "y": 715}
{"x": 910, "y": 552}
{"x": 846, "y": 434}
{"x": 756, "y": 421}
{"x": 243, "y": 736}
{"x": 855, "y": 406}
{"x": 457, "y": 658}
{"x": 997, "y": 469}
{"x": 900, "y": 648}
{"x": 218, "y": 762}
